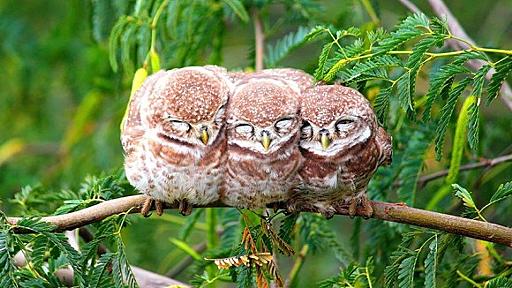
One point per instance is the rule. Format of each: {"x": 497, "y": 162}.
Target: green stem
{"x": 211, "y": 238}
{"x": 299, "y": 262}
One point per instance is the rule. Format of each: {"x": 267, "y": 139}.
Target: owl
{"x": 302, "y": 79}
{"x": 299, "y": 77}
{"x": 263, "y": 133}
{"x": 174, "y": 137}
{"x": 342, "y": 145}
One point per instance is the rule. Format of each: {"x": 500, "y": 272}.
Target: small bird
{"x": 263, "y": 134}
{"x": 342, "y": 145}
{"x": 299, "y": 77}
{"x": 174, "y": 137}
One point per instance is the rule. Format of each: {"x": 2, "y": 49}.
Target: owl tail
{"x": 385, "y": 143}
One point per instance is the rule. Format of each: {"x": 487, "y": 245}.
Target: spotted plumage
{"x": 263, "y": 134}
{"x": 174, "y": 136}
{"x": 342, "y": 146}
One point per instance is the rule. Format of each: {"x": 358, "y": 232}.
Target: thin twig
{"x": 442, "y": 11}
{"x": 385, "y": 211}
{"x": 486, "y": 163}
{"x": 259, "y": 38}
{"x": 297, "y": 265}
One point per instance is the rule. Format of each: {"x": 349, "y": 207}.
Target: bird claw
{"x": 146, "y": 207}
{"x": 360, "y": 206}
{"x": 185, "y": 207}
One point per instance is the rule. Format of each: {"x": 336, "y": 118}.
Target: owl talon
{"x": 366, "y": 207}
{"x": 159, "y": 207}
{"x": 185, "y": 207}
{"x": 146, "y": 207}
{"x": 352, "y": 208}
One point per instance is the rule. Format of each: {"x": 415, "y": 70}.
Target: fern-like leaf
{"x": 431, "y": 264}
{"x": 285, "y": 45}
{"x": 503, "y": 68}
{"x": 446, "y": 114}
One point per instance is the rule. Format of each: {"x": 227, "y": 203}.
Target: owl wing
{"x": 133, "y": 129}
{"x": 385, "y": 144}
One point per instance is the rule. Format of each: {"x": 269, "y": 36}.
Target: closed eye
{"x": 344, "y": 123}
{"x": 244, "y": 129}
{"x": 283, "y": 124}
{"x": 180, "y": 126}
{"x": 306, "y": 131}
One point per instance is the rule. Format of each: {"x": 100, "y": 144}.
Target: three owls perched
{"x": 201, "y": 134}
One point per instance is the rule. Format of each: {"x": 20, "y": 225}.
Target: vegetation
{"x": 68, "y": 69}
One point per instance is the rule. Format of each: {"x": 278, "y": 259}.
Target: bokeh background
{"x": 61, "y": 104}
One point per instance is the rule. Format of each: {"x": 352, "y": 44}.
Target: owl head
{"x": 187, "y": 106}
{"x": 263, "y": 114}
{"x": 334, "y": 119}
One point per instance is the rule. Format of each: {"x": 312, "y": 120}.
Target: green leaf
{"x": 121, "y": 270}
{"x": 322, "y": 60}
{"x": 459, "y": 140}
{"x": 446, "y": 114}
{"x": 499, "y": 282}
{"x": 474, "y": 125}
{"x": 381, "y": 104}
{"x": 186, "y": 248}
{"x": 503, "y": 68}
{"x": 315, "y": 32}
{"x": 412, "y": 27}
{"x": 404, "y": 92}
{"x": 287, "y": 226}
{"x": 238, "y": 8}
{"x": 441, "y": 81}
{"x": 504, "y": 191}
{"x": 190, "y": 221}
{"x": 406, "y": 272}
{"x": 431, "y": 264}
{"x": 412, "y": 163}
{"x": 397, "y": 257}
{"x": 464, "y": 195}
{"x": 100, "y": 270}
{"x": 285, "y": 45}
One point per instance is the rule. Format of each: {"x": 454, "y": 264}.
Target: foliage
{"x": 67, "y": 89}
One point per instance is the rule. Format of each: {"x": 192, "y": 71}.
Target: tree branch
{"x": 486, "y": 163}
{"x": 259, "y": 40}
{"x": 385, "y": 211}
{"x": 442, "y": 11}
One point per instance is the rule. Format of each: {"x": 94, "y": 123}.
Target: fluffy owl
{"x": 263, "y": 134}
{"x": 342, "y": 146}
{"x": 299, "y": 77}
{"x": 302, "y": 79}
{"x": 174, "y": 137}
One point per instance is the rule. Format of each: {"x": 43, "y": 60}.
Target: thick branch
{"x": 486, "y": 163}
{"x": 385, "y": 211}
{"x": 442, "y": 11}
{"x": 259, "y": 40}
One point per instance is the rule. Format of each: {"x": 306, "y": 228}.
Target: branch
{"x": 442, "y": 11}
{"x": 385, "y": 211}
{"x": 486, "y": 163}
{"x": 259, "y": 39}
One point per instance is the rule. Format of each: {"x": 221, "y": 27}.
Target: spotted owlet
{"x": 174, "y": 137}
{"x": 342, "y": 146}
{"x": 263, "y": 135}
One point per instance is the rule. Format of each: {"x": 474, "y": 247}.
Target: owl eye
{"x": 283, "y": 124}
{"x": 219, "y": 117}
{"x": 179, "y": 126}
{"x": 306, "y": 131}
{"x": 343, "y": 124}
{"x": 244, "y": 129}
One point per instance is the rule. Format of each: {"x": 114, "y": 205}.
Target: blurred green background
{"x": 61, "y": 104}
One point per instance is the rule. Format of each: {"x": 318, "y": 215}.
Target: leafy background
{"x": 67, "y": 71}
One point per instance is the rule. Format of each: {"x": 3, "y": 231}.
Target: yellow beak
{"x": 204, "y": 136}
{"x": 265, "y": 141}
{"x": 325, "y": 141}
